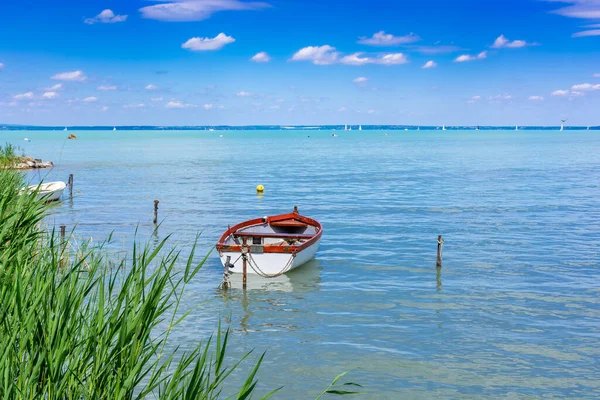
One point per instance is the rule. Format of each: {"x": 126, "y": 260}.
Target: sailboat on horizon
{"x": 360, "y": 127}
{"x": 443, "y": 127}
{"x": 562, "y": 124}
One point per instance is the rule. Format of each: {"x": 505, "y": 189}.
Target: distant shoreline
{"x": 354, "y": 128}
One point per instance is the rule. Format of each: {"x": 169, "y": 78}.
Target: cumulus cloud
{"x": 500, "y": 97}
{"x": 591, "y": 32}
{"x": 50, "y": 95}
{"x": 429, "y": 64}
{"x": 151, "y": 87}
{"x": 24, "y": 96}
{"x": 90, "y": 99}
{"x": 360, "y": 80}
{"x": 103, "y": 108}
{"x": 502, "y": 42}
{"x": 261, "y": 57}
{"x": 318, "y": 55}
{"x": 468, "y": 57}
{"x": 178, "y": 104}
{"x": 585, "y": 9}
{"x": 139, "y": 105}
{"x": 384, "y": 39}
{"x": 327, "y": 55}
{"x": 244, "y": 94}
{"x": 536, "y": 98}
{"x": 208, "y": 106}
{"x": 567, "y": 93}
{"x": 54, "y": 88}
{"x": 207, "y": 44}
{"x": 195, "y": 10}
{"x": 73, "y": 76}
{"x": 106, "y": 17}
{"x": 586, "y": 86}
{"x": 107, "y": 87}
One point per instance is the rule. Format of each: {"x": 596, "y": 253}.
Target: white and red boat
{"x": 272, "y": 245}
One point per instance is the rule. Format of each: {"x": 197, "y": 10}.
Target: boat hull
{"x": 49, "y": 191}
{"x": 270, "y": 263}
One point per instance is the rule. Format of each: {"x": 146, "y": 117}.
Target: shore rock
{"x": 32, "y": 164}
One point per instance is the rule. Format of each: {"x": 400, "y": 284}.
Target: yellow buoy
{"x": 260, "y": 188}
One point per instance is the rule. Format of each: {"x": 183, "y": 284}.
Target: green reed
{"x": 76, "y": 325}
{"x": 9, "y": 155}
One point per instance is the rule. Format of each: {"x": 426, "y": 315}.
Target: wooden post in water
{"x": 156, "y": 211}
{"x": 244, "y": 261}
{"x": 71, "y": 185}
{"x": 63, "y": 230}
{"x": 440, "y": 247}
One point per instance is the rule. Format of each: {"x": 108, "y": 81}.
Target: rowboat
{"x": 270, "y": 246}
{"x": 49, "y": 191}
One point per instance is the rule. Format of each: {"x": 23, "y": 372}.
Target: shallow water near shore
{"x": 513, "y": 313}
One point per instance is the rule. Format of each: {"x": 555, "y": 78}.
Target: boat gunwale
{"x": 290, "y": 249}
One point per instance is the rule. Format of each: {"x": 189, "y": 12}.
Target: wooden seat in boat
{"x": 274, "y": 235}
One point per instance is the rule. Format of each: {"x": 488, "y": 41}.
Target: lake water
{"x": 513, "y": 313}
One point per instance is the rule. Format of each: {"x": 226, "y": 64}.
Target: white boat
{"x": 345, "y": 127}
{"x": 516, "y": 128}
{"x": 114, "y": 128}
{"x": 49, "y": 191}
{"x": 27, "y": 139}
{"x": 65, "y": 128}
{"x": 273, "y": 245}
{"x": 562, "y": 125}
{"x": 360, "y": 127}
{"x": 444, "y": 127}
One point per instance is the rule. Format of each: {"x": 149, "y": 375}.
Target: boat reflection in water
{"x": 258, "y": 307}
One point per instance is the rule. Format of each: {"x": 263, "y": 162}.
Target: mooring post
{"x": 156, "y": 210}
{"x": 244, "y": 261}
{"x": 71, "y": 185}
{"x": 439, "y": 251}
{"x": 63, "y": 230}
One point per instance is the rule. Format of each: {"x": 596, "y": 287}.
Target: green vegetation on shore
{"x": 80, "y": 325}
{"x": 9, "y": 156}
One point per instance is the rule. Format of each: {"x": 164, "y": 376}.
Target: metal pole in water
{"x": 244, "y": 257}
{"x": 71, "y": 185}
{"x": 439, "y": 251}
{"x": 156, "y": 210}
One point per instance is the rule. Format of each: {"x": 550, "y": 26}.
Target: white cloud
{"x": 476, "y": 98}
{"x": 140, "y": 105}
{"x": 586, "y": 86}
{"x": 90, "y": 99}
{"x": 468, "y": 57}
{"x": 151, "y": 87}
{"x": 54, "y": 88}
{"x": 342, "y": 109}
{"x": 592, "y": 32}
{"x": 103, "y": 108}
{"x": 208, "y": 106}
{"x": 23, "y": 96}
{"x": 178, "y": 104}
{"x": 244, "y": 94}
{"x": 318, "y": 55}
{"x": 502, "y": 42}
{"x": 567, "y": 93}
{"x": 500, "y": 97}
{"x": 107, "y": 87}
{"x": 385, "y": 59}
{"x": 429, "y": 64}
{"x": 207, "y": 44}
{"x": 371, "y": 111}
{"x": 536, "y": 98}
{"x": 73, "y": 76}
{"x": 560, "y": 93}
{"x": 586, "y": 9}
{"x": 195, "y": 10}
{"x": 50, "y": 95}
{"x": 106, "y": 17}
{"x": 360, "y": 80}
{"x": 383, "y": 39}
{"x": 156, "y": 99}
{"x": 261, "y": 57}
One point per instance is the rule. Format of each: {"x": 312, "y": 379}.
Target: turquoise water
{"x": 513, "y": 313}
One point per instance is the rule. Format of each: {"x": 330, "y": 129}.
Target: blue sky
{"x": 234, "y": 62}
